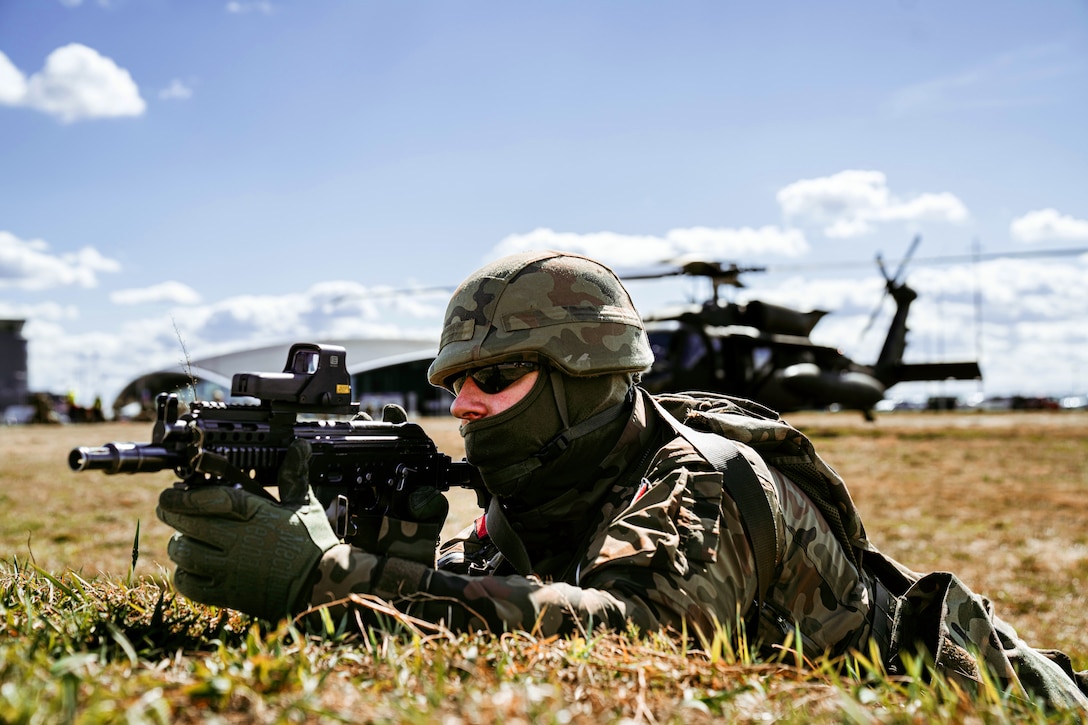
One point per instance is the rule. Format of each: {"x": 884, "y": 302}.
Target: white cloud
{"x": 176, "y": 91}
{"x": 942, "y": 207}
{"x": 629, "y": 250}
{"x": 29, "y": 265}
{"x": 1048, "y": 224}
{"x": 77, "y": 83}
{"x": 835, "y": 195}
{"x": 604, "y": 246}
{"x": 170, "y": 292}
{"x": 327, "y": 309}
{"x": 850, "y": 203}
{"x": 64, "y": 356}
{"x": 743, "y": 242}
{"x": 50, "y": 311}
{"x": 351, "y": 299}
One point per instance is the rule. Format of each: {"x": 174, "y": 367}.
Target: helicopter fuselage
{"x": 763, "y": 352}
{"x": 782, "y": 371}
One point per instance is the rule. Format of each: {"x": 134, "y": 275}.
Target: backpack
{"x": 935, "y": 614}
{"x": 781, "y": 446}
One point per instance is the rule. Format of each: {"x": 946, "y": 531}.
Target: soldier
{"x": 605, "y": 509}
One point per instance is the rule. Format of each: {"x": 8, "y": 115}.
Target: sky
{"x": 182, "y": 179}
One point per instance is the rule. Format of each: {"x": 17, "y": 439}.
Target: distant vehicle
{"x": 1074, "y": 402}
{"x": 18, "y": 414}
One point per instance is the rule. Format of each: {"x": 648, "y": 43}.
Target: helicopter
{"x": 763, "y": 351}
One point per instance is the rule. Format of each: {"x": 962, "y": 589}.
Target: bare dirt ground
{"x": 999, "y": 498}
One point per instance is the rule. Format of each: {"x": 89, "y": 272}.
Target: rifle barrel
{"x": 122, "y": 458}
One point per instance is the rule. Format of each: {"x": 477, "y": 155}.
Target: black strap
{"x": 753, "y": 501}
{"x": 504, "y": 537}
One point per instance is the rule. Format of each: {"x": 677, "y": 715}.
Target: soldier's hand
{"x": 410, "y": 531}
{"x": 238, "y": 550}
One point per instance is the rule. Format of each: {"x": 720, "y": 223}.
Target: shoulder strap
{"x": 740, "y": 482}
{"x": 504, "y": 537}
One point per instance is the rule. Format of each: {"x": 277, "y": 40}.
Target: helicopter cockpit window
{"x": 761, "y": 358}
{"x": 660, "y": 343}
{"x": 693, "y": 351}
{"x": 683, "y": 359}
{"x": 679, "y": 347}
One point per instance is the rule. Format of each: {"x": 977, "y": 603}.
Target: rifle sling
{"x": 504, "y": 537}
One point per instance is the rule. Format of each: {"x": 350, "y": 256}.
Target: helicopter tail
{"x": 913, "y": 372}
{"x": 890, "y": 368}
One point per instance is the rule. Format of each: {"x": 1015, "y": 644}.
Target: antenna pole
{"x": 976, "y": 253}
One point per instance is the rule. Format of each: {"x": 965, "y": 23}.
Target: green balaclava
{"x": 551, "y": 440}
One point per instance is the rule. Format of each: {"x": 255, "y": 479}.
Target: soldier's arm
{"x": 616, "y": 598}
{"x": 674, "y": 556}
{"x": 465, "y": 603}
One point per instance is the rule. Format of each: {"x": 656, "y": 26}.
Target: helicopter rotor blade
{"x": 881, "y": 267}
{"x": 690, "y": 266}
{"x": 906, "y": 258}
{"x": 874, "y": 315}
{"x": 650, "y": 275}
{"x": 890, "y": 282}
{"x": 673, "y": 268}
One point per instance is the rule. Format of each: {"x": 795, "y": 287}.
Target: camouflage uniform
{"x": 648, "y": 537}
{"x": 667, "y": 548}
{"x": 645, "y": 535}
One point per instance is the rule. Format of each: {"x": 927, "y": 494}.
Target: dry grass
{"x": 80, "y": 521}
{"x": 999, "y": 499}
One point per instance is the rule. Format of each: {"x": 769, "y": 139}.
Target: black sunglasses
{"x": 493, "y": 378}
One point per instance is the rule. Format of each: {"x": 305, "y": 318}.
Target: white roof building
{"x": 209, "y": 378}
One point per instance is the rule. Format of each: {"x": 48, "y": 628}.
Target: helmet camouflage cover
{"x": 563, "y": 308}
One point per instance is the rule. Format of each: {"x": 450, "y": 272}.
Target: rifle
{"x": 359, "y": 468}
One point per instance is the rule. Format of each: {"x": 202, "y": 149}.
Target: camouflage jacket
{"x": 667, "y": 550}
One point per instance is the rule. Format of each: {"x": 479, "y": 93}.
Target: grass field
{"x": 1000, "y": 499}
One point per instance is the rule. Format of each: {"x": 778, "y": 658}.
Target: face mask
{"x": 503, "y": 446}
{"x": 512, "y": 449}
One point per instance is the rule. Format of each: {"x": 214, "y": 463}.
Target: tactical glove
{"x": 239, "y": 550}
{"x": 410, "y": 531}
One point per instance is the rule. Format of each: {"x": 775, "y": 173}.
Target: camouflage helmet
{"x": 563, "y": 308}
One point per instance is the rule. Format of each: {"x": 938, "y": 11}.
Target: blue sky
{"x": 217, "y": 175}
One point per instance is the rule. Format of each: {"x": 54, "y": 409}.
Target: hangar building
{"x": 382, "y": 371}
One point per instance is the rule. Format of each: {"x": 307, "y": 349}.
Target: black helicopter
{"x": 762, "y": 351}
